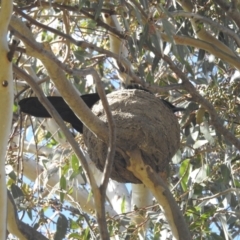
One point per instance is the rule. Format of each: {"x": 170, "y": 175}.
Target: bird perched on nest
{"x": 33, "y": 107}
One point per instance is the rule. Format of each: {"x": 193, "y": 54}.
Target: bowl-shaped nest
{"x": 142, "y": 121}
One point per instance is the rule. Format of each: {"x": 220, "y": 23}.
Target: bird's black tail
{"x": 33, "y": 107}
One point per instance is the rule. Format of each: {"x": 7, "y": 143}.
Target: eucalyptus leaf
{"x": 16, "y": 191}
{"x": 177, "y": 157}
{"x": 62, "y": 226}
{"x": 226, "y": 173}
{"x": 169, "y": 29}
{"x": 204, "y": 128}
{"x": 143, "y": 37}
{"x": 200, "y": 174}
{"x": 155, "y": 62}
{"x": 192, "y": 137}
{"x": 199, "y": 143}
{"x": 201, "y": 54}
{"x": 184, "y": 171}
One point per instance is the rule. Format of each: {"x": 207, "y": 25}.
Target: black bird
{"x": 33, "y": 107}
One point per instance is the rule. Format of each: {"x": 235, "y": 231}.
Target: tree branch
{"x": 100, "y": 194}
{"x": 161, "y": 192}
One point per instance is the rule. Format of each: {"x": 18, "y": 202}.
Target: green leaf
{"x": 226, "y": 174}
{"x": 200, "y": 174}
{"x": 132, "y": 47}
{"x": 137, "y": 14}
{"x": 156, "y": 42}
{"x": 200, "y": 81}
{"x": 81, "y": 4}
{"x": 75, "y": 236}
{"x": 169, "y": 29}
{"x": 63, "y": 186}
{"x": 73, "y": 224}
{"x": 223, "y": 221}
{"x": 144, "y": 4}
{"x": 187, "y": 65}
{"x": 12, "y": 175}
{"x": 15, "y": 108}
{"x": 177, "y": 157}
{"x": 236, "y": 183}
{"x": 193, "y": 211}
{"x": 184, "y": 173}
{"x": 144, "y": 36}
{"x": 204, "y": 128}
{"x": 74, "y": 174}
{"x": 86, "y": 233}
{"x": 80, "y": 55}
{"x": 123, "y": 205}
{"x": 181, "y": 52}
{"x": 29, "y": 213}
{"x": 198, "y": 189}
{"x": 75, "y": 163}
{"x": 63, "y": 183}
{"x": 62, "y": 226}
{"x": 199, "y": 143}
{"x": 16, "y": 191}
{"x": 201, "y": 54}
{"x": 155, "y": 62}
{"x": 70, "y": 191}
{"x": 98, "y": 9}
{"x": 192, "y": 137}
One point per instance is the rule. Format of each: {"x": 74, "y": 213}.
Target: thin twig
{"x": 219, "y": 194}
{"x": 112, "y": 131}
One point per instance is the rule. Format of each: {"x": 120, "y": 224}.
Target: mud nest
{"x": 143, "y": 122}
